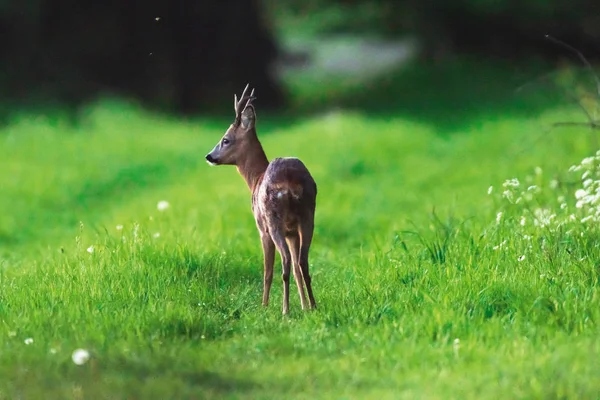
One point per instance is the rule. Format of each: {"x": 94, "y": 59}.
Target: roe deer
{"x": 283, "y": 200}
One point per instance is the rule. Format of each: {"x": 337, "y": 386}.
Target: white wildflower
{"x": 28, "y": 341}
{"x": 90, "y": 249}
{"x": 530, "y": 188}
{"x": 553, "y": 184}
{"x": 543, "y": 217}
{"x": 580, "y": 194}
{"x": 538, "y": 171}
{"x": 119, "y": 227}
{"x": 501, "y": 245}
{"x": 80, "y": 356}
{"x": 162, "y": 205}
{"x": 523, "y": 221}
{"x": 156, "y": 235}
{"x": 586, "y": 219}
{"x": 511, "y": 183}
{"x": 588, "y": 161}
{"x": 498, "y": 217}
{"x": 521, "y": 258}
{"x": 490, "y": 189}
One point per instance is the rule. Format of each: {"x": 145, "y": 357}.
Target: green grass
{"x": 403, "y": 262}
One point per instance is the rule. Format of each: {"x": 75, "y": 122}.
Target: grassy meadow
{"x": 423, "y": 289}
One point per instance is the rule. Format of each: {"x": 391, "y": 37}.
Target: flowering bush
{"x": 573, "y": 201}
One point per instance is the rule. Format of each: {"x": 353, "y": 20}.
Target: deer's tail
{"x": 288, "y": 190}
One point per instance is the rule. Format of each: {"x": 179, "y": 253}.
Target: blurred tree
{"x": 183, "y": 55}
{"x": 504, "y": 28}
{"x": 501, "y": 28}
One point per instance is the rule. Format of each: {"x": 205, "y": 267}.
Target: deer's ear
{"x": 248, "y": 117}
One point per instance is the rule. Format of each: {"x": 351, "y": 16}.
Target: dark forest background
{"x": 188, "y": 57}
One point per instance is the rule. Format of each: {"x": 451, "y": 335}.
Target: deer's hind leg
{"x": 278, "y": 237}
{"x": 294, "y": 246}
{"x": 305, "y": 236}
{"x": 269, "y": 260}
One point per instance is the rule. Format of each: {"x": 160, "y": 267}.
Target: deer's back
{"x": 290, "y": 170}
{"x": 287, "y": 194}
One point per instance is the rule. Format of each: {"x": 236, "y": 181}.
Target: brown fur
{"x": 283, "y": 200}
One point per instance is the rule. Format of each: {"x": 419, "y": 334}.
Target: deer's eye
{"x": 225, "y": 141}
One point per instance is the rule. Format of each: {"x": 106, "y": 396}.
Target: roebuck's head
{"x": 234, "y": 144}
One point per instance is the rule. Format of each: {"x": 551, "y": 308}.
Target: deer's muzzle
{"x": 211, "y": 160}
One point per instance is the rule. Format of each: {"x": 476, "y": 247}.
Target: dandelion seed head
{"x": 80, "y": 356}
{"x": 162, "y": 205}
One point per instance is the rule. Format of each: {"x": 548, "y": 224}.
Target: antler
{"x": 244, "y": 101}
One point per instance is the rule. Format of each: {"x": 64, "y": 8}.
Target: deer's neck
{"x": 253, "y": 166}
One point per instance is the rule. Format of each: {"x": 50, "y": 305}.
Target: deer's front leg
{"x": 269, "y": 259}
